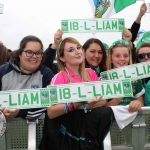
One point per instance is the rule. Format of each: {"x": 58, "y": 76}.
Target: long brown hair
{"x": 60, "y": 53}
{"x": 3, "y": 54}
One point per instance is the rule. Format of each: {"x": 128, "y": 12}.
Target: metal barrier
{"x": 136, "y": 136}
{"x": 26, "y": 135}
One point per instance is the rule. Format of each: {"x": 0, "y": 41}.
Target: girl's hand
{"x": 94, "y": 101}
{"x": 134, "y": 106}
{"x": 127, "y": 35}
{"x": 101, "y": 103}
{"x": 10, "y": 112}
{"x": 58, "y": 37}
{"x": 143, "y": 9}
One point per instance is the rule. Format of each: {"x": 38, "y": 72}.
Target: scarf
{"x": 97, "y": 70}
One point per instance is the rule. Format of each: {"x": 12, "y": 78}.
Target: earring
{"x": 64, "y": 63}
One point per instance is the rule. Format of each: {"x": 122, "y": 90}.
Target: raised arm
{"x": 50, "y": 52}
{"x": 143, "y": 9}
{"x": 136, "y": 24}
{"x": 127, "y": 35}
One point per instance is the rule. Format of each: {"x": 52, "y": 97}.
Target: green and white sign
{"x": 135, "y": 72}
{"x": 35, "y": 98}
{"x": 22, "y": 99}
{"x": 88, "y": 90}
{"x": 92, "y": 25}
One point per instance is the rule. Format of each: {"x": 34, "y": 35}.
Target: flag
{"x": 107, "y": 8}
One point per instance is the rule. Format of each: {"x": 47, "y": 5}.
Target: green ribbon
{"x": 120, "y": 42}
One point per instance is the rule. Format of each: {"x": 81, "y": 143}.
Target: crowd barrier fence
{"x": 26, "y": 134}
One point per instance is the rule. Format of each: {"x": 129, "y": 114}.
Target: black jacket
{"x": 49, "y": 60}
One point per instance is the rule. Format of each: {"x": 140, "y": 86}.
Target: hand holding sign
{"x": 99, "y": 103}
{"x": 127, "y": 35}
{"x": 10, "y": 112}
{"x": 94, "y": 101}
{"x": 58, "y": 37}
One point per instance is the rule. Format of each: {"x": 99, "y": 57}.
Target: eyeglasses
{"x": 142, "y": 56}
{"x": 30, "y": 53}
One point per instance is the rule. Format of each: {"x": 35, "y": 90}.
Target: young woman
{"x": 119, "y": 55}
{"x": 67, "y": 126}
{"x": 25, "y": 71}
{"x": 143, "y": 55}
{"x": 95, "y": 55}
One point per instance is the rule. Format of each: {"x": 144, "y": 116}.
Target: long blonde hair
{"x": 110, "y": 51}
{"x": 60, "y": 53}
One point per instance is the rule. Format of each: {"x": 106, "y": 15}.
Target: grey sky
{"x": 42, "y": 18}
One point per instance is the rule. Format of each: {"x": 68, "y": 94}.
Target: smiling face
{"x": 120, "y": 57}
{"x": 94, "y": 54}
{"x": 30, "y": 64}
{"x": 73, "y": 55}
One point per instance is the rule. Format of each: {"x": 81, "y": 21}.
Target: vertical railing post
{"x": 135, "y": 133}
{"x": 32, "y": 134}
{"x": 142, "y": 128}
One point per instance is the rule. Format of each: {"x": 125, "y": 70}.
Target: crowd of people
{"x": 77, "y": 125}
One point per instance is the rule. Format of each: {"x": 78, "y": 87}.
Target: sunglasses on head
{"x": 142, "y": 56}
